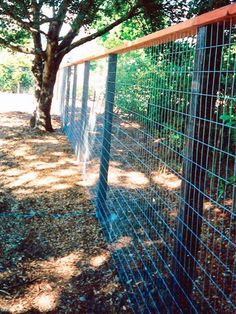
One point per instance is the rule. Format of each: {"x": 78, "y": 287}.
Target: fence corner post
{"x": 106, "y": 143}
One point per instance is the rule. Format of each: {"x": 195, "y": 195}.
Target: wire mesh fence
{"x": 154, "y": 130}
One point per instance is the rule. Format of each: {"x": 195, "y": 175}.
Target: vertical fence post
{"x": 57, "y": 87}
{"x": 63, "y": 88}
{"x": 206, "y": 80}
{"x": 106, "y": 144}
{"x": 67, "y": 97}
{"x": 73, "y": 102}
{"x": 191, "y": 207}
{"x": 84, "y": 111}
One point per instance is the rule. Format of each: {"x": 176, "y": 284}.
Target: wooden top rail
{"x": 177, "y": 31}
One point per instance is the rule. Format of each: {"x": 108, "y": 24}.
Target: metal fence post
{"x": 84, "y": 111}
{"x": 62, "y": 100}
{"x": 66, "y": 118}
{"x": 191, "y": 207}
{"x": 207, "y": 68}
{"x": 105, "y": 154}
{"x": 73, "y": 102}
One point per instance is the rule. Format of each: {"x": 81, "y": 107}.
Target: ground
{"x": 53, "y": 257}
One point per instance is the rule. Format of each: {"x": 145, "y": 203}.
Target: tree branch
{"x": 40, "y": 55}
{"x": 58, "y": 20}
{"x": 25, "y": 25}
{"x": 67, "y": 46}
{"x": 44, "y": 19}
{"x": 23, "y": 6}
{"x": 16, "y": 48}
{"x": 80, "y": 20}
{"x": 10, "y": 13}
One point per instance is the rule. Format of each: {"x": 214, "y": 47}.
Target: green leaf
{"x": 231, "y": 123}
{"x": 225, "y": 117}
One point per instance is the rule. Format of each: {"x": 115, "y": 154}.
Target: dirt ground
{"x": 53, "y": 257}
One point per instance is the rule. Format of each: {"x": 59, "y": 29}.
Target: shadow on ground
{"x": 53, "y": 255}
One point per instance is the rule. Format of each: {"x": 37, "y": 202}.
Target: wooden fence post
{"x": 106, "y": 143}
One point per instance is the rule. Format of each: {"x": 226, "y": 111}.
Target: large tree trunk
{"x": 43, "y": 104}
{"x": 45, "y": 73}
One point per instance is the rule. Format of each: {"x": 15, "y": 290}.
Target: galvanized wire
{"x": 167, "y": 201}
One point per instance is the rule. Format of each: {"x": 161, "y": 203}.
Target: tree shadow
{"x": 139, "y": 223}
{"x": 53, "y": 256}
{"x": 142, "y": 203}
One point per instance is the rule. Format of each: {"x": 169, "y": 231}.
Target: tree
{"x": 197, "y": 7}
{"x": 35, "y": 27}
{"x": 15, "y": 73}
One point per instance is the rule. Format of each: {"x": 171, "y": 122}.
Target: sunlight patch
{"x": 21, "y": 151}
{"x": 59, "y": 154}
{"x": 33, "y": 157}
{"x": 167, "y": 180}
{"x": 23, "y": 192}
{"x": 63, "y": 267}
{"x": 45, "y": 181}
{"x": 123, "y": 242}
{"x": 89, "y": 180}
{"x": 99, "y": 260}
{"x": 47, "y": 165}
{"x": 138, "y": 178}
{"x": 14, "y": 172}
{"x": 130, "y": 125}
{"x": 16, "y": 308}
{"x": 44, "y": 140}
{"x": 127, "y": 179}
{"x": 40, "y": 165}
{"x": 61, "y": 186}
{"x": 46, "y": 302}
{"x": 66, "y": 172}
{"x": 23, "y": 179}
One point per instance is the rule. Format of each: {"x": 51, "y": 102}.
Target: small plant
{"x": 223, "y": 187}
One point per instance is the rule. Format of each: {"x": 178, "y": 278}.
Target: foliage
{"x": 15, "y": 73}
{"x": 139, "y": 97}
{"x": 155, "y": 16}
{"x": 44, "y": 22}
{"x": 197, "y": 7}
{"x": 21, "y": 20}
{"x": 132, "y": 92}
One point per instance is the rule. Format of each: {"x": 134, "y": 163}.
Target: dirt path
{"x": 53, "y": 258}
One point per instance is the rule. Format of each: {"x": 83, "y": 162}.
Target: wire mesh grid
{"x": 167, "y": 200}
{"x": 82, "y": 115}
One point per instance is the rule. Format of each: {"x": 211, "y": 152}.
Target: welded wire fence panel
{"x": 92, "y": 137}
{"x": 152, "y": 98}
{"x": 168, "y": 205}
{"x": 72, "y": 107}
{"x": 82, "y": 110}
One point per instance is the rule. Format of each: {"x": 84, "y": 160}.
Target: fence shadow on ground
{"x": 53, "y": 257}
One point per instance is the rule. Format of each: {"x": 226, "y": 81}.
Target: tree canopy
{"x": 50, "y": 29}
{"x": 21, "y": 20}
{"x": 15, "y": 72}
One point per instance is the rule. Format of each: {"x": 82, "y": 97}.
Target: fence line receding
{"x": 154, "y": 130}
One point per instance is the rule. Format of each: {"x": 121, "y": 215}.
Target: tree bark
{"x": 45, "y": 73}
{"x": 43, "y": 104}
